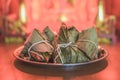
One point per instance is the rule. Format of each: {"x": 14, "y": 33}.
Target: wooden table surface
{"x": 12, "y": 69}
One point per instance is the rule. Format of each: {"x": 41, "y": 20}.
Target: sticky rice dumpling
{"x": 66, "y": 40}
{"x": 48, "y": 34}
{"x": 69, "y": 46}
{"x": 88, "y": 42}
{"x": 37, "y": 47}
{"x": 75, "y": 46}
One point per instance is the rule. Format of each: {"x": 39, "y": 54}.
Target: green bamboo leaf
{"x": 34, "y": 37}
{"x": 88, "y": 42}
{"x": 73, "y": 34}
{"x": 37, "y": 43}
{"x": 48, "y": 34}
{"x": 63, "y": 35}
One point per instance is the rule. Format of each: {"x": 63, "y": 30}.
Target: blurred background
{"x": 19, "y": 17}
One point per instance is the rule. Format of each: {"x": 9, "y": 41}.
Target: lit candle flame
{"x": 22, "y": 13}
{"x": 63, "y": 18}
{"x": 101, "y": 11}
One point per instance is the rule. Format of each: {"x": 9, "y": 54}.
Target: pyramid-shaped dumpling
{"x": 37, "y": 44}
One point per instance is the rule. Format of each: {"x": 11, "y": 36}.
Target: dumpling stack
{"x": 67, "y": 47}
